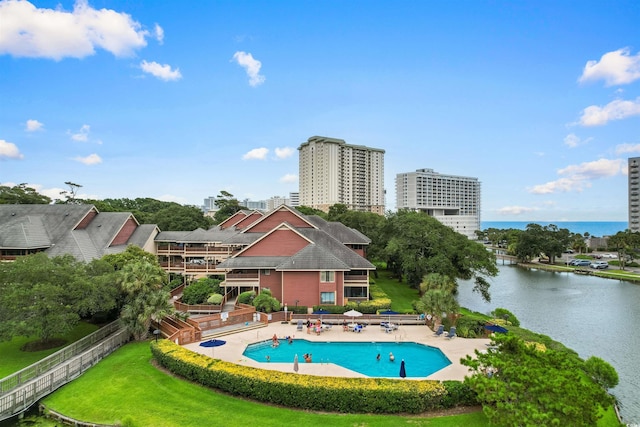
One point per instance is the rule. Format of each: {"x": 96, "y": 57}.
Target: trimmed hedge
{"x": 329, "y": 394}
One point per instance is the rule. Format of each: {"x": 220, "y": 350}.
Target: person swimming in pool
{"x": 392, "y": 358}
{"x": 378, "y": 357}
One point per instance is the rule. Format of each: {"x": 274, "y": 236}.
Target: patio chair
{"x": 391, "y": 327}
{"x": 440, "y": 331}
{"x": 451, "y": 333}
{"x": 299, "y": 327}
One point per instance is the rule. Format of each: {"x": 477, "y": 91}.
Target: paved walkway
{"x": 236, "y": 343}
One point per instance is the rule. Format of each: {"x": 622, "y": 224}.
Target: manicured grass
{"x": 14, "y": 359}
{"x": 126, "y": 388}
{"x": 401, "y": 295}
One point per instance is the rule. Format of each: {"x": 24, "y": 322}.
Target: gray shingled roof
{"x": 313, "y": 257}
{"x": 51, "y": 227}
{"x": 212, "y": 235}
{"x": 336, "y": 248}
{"x": 344, "y": 234}
{"x": 252, "y": 262}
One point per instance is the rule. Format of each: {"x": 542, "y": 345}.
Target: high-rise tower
{"x": 332, "y": 171}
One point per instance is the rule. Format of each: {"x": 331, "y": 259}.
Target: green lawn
{"x": 14, "y": 359}
{"x": 401, "y": 295}
{"x": 125, "y": 388}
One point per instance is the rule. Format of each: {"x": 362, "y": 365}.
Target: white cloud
{"x": 163, "y": 72}
{"x": 289, "y": 178}
{"x": 572, "y": 140}
{"x": 627, "y": 148}
{"x": 27, "y": 31}
{"x": 515, "y": 210}
{"x": 159, "y": 33}
{"x": 252, "y": 67}
{"x": 9, "y": 150}
{"x": 579, "y": 177}
{"x": 283, "y": 153}
{"x": 615, "y": 110}
{"x": 91, "y": 159}
{"x": 615, "y": 68}
{"x": 256, "y": 154}
{"x": 82, "y": 135}
{"x": 33, "y": 125}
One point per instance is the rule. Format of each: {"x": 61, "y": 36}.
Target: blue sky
{"x": 540, "y": 100}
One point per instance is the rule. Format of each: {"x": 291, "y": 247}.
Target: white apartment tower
{"x": 332, "y": 171}
{"x": 452, "y": 200}
{"x": 634, "y": 193}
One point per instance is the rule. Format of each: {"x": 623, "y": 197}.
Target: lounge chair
{"x": 391, "y": 327}
{"x": 299, "y": 327}
{"x": 440, "y": 331}
{"x": 451, "y": 333}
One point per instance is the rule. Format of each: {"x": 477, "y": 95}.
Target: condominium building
{"x": 332, "y": 171}
{"x": 634, "y": 194}
{"x": 451, "y": 199}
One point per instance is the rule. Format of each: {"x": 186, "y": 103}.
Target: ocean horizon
{"x": 594, "y": 228}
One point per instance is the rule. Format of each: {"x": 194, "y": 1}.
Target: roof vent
{"x": 13, "y": 214}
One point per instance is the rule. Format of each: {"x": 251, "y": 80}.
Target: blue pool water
{"x": 420, "y": 360}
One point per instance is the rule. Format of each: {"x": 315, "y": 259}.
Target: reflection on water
{"x": 593, "y": 316}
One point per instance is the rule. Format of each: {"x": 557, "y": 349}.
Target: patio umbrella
{"x": 403, "y": 372}
{"x": 353, "y": 314}
{"x": 389, "y": 313}
{"x": 213, "y": 343}
{"x": 496, "y": 328}
{"x": 320, "y": 312}
{"x": 295, "y": 362}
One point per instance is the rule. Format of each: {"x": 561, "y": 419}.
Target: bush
{"x": 309, "y": 392}
{"x": 246, "y": 297}
{"x": 198, "y": 291}
{"x": 265, "y": 302}
{"x": 502, "y": 313}
{"x": 458, "y": 394}
{"x": 215, "y": 299}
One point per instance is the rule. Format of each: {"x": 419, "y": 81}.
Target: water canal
{"x": 593, "y": 316}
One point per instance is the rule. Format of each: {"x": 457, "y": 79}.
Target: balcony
{"x": 356, "y": 278}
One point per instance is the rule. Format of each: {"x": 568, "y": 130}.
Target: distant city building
{"x": 209, "y": 204}
{"x": 257, "y": 205}
{"x": 453, "y": 200}
{"x": 294, "y": 199}
{"x": 332, "y": 171}
{"x": 634, "y": 193}
{"x": 276, "y": 201}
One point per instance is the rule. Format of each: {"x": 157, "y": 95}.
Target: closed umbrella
{"x": 403, "y": 372}
{"x": 295, "y": 363}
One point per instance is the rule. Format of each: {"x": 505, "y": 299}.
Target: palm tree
{"x": 439, "y": 296}
{"x": 146, "y": 301}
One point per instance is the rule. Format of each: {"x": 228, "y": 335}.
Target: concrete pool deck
{"x": 236, "y": 343}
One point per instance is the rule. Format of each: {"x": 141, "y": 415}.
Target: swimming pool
{"x": 420, "y": 360}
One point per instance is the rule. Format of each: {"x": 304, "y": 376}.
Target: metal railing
{"x": 44, "y": 365}
{"x": 20, "y": 398}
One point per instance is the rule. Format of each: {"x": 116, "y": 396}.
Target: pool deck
{"x": 236, "y": 343}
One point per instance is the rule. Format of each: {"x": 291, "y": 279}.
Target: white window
{"x": 327, "y": 298}
{"x": 327, "y": 276}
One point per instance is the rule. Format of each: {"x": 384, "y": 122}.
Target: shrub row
{"x": 329, "y": 394}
